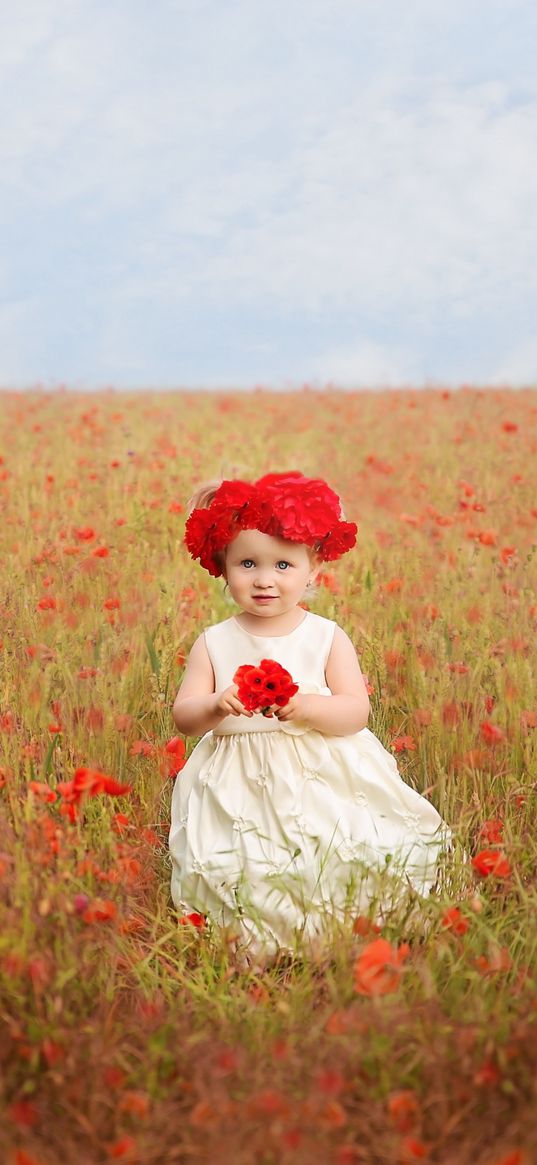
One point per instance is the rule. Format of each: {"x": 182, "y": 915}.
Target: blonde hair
{"x": 203, "y": 496}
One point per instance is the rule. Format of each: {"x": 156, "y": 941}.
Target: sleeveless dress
{"x": 277, "y": 828}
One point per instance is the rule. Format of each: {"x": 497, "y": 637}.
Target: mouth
{"x": 264, "y": 598}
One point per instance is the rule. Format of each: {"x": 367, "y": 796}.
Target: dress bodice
{"x": 304, "y": 652}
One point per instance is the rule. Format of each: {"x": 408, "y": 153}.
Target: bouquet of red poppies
{"x": 261, "y": 687}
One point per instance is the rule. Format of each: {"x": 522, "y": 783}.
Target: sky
{"x": 231, "y": 193}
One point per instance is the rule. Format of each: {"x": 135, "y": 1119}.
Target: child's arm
{"x": 347, "y": 710}
{"x": 197, "y": 707}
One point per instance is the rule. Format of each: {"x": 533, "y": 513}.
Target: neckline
{"x": 252, "y": 636}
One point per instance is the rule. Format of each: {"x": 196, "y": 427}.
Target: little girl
{"x": 280, "y": 822}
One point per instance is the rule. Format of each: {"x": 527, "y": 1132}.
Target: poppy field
{"x": 129, "y": 1034}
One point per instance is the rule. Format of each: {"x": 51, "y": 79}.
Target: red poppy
{"x": 491, "y": 862}
{"x": 492, "y": 831}
{"x": 260, "y": 687}
{"x": 124, "y": 1147}
{"x": 404, "y": 1110}
{"x": 100, "y": 910}
{"x": 173, "y": 756}
{"x": 90, "y": 782}
{"x": 43, "y": 791}
{"x": 454, "y": 921}
{"x": 23, "y": 1158}
{"x": 377, "y": 970}
{"x": 404, "y": 743}
{"x": 47, "y": 603}
{"x": 491, "y": 733}
{"x": 194, "y": 919}
{"x": 498, "y": 960}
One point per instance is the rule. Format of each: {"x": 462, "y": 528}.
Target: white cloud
{"x": 367, "y": 363}
{"x": 519, "y": 366}
{"x": 370, "y": 163}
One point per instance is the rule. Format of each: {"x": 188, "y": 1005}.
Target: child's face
{"x": 267, "y": 576}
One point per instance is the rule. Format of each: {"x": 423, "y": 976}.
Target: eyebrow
{"x": 279, "y": 558}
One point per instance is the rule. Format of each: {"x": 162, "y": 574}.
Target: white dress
{"x": 275, "y": 827}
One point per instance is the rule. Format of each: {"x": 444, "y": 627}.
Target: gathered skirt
{"x": 273, "y": 833}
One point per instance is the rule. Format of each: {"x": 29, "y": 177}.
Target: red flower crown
{"x": 283, "y": 505}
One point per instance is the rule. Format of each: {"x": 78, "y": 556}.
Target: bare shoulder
{"x": 343, "y": 672}
{"x": 199, "y": 648}
{"x": 341, "y": 641}
{"x": 199, "y": 675}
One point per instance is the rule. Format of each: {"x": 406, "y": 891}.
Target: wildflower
{"x": 292, "y": 1138}
{"x": 23, "y": 1113}
{"x": 124, "y": 1147}
{"x": 142, "y": 748}
{"x": 173, "y": 757}
{"x": 43, "y": 791}
{"x": 100, "y": 910}
{"x": 80, "y": 903}
{"x": 23, "y": 1158}
{"x": 331, "y": 1115}
{"x": 394, "y": 660}
{"x": 194, "y": 919}
{"x": 413, "y": 1150}
{"x": 492, "y": 831}
{"x": 404, "y": 1110}
{"x": 47, "y": 603}
{"x": 330, "y": 1081}
{"x": 85, "y": 534}
{"x": 53, "y": 1053}
{"x": 377, "y": 970}
{"x": 499, "y": 960}
{"x": 136, "y": 1103}
{"x": 491, "y": 733}
{"x": 365, "y": 927}
{"x": 450, "y": 714}
{"x": 455, "y": 921}
{"x": 202, "y": 1114}
{"x": 491, "y": 862}
{"x": 268, "y": 1102}
{"x": 113, "y": 1076}
{"x": 328, "y": 580}
{"x": 404, "y": 744}
{"x": 88, "y": 783}
{"x": 487, "y": 1075}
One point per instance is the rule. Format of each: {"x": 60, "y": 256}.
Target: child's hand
{"x": 296, "y": 709}
{"x": 227, "y": 703}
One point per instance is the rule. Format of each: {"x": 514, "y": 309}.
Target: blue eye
{"x": 283, "y": 562}
{"x": 247, "y": 562}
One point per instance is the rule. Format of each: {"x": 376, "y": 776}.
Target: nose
{"x": 262, "y": 582}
